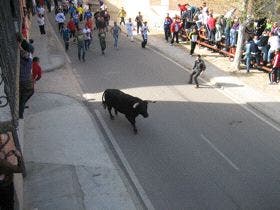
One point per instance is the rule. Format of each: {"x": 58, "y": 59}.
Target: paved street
{"x": 198, "y": 149}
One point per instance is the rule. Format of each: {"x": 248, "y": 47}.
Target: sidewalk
{"x": 67, "y": 165}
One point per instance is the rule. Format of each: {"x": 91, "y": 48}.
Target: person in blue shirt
{"x": 72, "y": 10}
{"x": 87, "y": 14}
{"x": 66, "y": 37}
{"x": 166, "y": 26}
{"x": 248, "y": 54}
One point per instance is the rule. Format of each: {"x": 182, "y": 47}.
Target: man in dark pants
{"x": 26, "y": 87}
{"x": 175, "y": 28}
{"x": 167, "y": 23}
{"x": 193, "y": 38}
{"x": 139, "y": 21}
{"x": 199, "y": 67}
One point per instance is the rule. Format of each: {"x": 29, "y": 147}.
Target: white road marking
{"x": 125, "y": 163}
{"x": 224, "y": 92}
{"x": 219, "y": 152}
{"x": 239, "y": 102}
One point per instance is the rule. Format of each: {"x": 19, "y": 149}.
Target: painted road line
{"x": 225, "y": 92}
{"x": 241, "y": 103}
{"x": 219, "y": 152}
{"x": 140, "y": 191}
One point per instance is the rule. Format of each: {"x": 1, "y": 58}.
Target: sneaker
{"x": 197, "y": 86}
{"x": 171, "y": 44}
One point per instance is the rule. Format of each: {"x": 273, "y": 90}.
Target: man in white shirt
{"x": 144, "y": 32}
{"x": 87, "y": 35}
{"x": 129, "y": 29}
{"x": 60, "y": 18}
{"x": 274, "y": 43}
{"x": 40, "y": 10}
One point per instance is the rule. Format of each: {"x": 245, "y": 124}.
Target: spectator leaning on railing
{"x": 274, "y": 43}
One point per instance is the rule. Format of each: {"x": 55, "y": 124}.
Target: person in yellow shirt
{"x": 80, "y": 11}
{"x": 122, "y": 15}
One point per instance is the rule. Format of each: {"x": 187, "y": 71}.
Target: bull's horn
{"x": 149, "y": 101}
{"x": 135, "y": 105}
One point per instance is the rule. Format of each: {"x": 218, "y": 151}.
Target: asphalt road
{"x": 198, "y": 149}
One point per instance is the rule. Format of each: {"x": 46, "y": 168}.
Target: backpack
{"x": 80, "y": 37}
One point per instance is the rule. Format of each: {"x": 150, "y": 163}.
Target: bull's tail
{"x": 103, "y": 100}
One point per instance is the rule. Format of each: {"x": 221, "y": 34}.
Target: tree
{"x": 244, "y": 20}
{"x": 253, "y": 9}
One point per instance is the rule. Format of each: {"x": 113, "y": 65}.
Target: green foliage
{"x": 266, "y": 8}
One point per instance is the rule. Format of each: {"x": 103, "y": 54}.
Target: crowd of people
{"x": 76, "y": 23}
{"x": 221, "y": 31}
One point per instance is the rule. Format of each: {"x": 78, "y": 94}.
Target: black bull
{"x": 129, "y": 105}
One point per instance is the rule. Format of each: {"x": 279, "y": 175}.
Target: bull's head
{"x": 142, "y": 107}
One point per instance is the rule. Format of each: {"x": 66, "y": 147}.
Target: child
{"x": 36, "y": 70}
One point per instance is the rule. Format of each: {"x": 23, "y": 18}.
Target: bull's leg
{"x": 132, "y": 121}
{"x": 116, "y": 111}
{"x": 109, "y": 110}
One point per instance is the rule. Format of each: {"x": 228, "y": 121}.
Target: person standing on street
{"x": 36, "y": 70}
{"x": 144, "y": 32}
{"x": 66, "y": 37}
{"x": 167, "y": 23}
{"x": 41, "y": 23}
{"x": 139, "y": 20}
{"x": 122, "y": 15}
{"x": 115, "y": 30}
{"x": 274, "y": 74}
{"x": 80, "y": 11}
{"x": 26, "y": 88}
{"x": 81, "y": 44}
{"x": 198, "y": 69}
{"x": 102, "y": 40}
{"x": 193, "y": 37}
{"x": 129, "y": 29}
{"x": 175, "y": 28}
{"x": 72, "y": 27}
{"x": 87, "y": 36}
{"x": 60, "y": 18}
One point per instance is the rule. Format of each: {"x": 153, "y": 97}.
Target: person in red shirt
{"x": 89, "y": 23}
{"x": 36, "y": 70}
{"x": 182, "y": 7}
{"x": 275, "y": 68}
{"x": 175, "y": 28}
{"x": 72, "y": 27}
{"x": 211, "y": 24}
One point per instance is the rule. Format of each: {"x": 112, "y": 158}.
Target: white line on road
{"x": 227, "y": 93}
{"x": 125, "y": 163}
{"x": 219, "y": 152}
